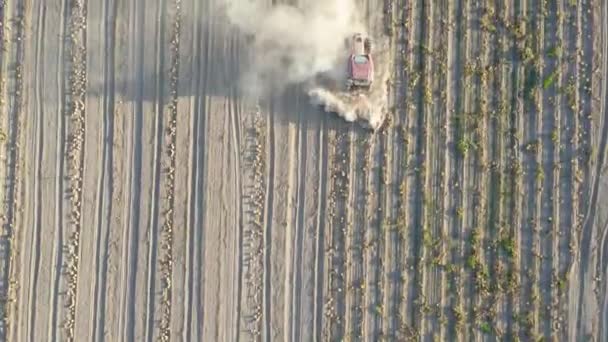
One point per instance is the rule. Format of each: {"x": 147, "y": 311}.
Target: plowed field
{"x": 146, "y": 198}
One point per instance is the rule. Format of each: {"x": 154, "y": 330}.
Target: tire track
{"x": 37, "y": 151}
{"x": 235, "y": 121}
{"x": 194, "y": 317}
{"x": 586, "y": 179}
{"x": 105, "y": 206}
{"x": 293, "y": 158}
{"x": 599, "y": 85}
{"x": 296, "y": 311}
{"x": 131, "y": 233}
{"x": 154, "y": 235}
{"x": 110, "y": 292}
{"x": 60, "y": 183}
{"x": 192, "y": 215}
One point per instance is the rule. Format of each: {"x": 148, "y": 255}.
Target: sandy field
{"x": 147, "y": 195}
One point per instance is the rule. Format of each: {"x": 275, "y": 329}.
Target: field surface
{"x": 144, "y": 198}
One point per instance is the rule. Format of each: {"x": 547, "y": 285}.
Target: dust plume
{"x": 298, "y": 44}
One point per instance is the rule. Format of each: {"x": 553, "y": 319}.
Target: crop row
{"x": 11, "y": 35}
{"x": 75, "y": 154}
{"x": 254, "y": 228}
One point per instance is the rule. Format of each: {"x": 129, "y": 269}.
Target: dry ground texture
{"x": 145, "y": 199}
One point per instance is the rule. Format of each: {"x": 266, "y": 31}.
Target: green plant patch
{"x": 485, "y": 327}
{"x": 549, "y": 80}
{"x": 554, "y": 52}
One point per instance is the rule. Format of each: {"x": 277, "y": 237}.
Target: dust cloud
{"x": 307, "y": 45}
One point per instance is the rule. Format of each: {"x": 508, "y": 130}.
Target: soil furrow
{"x": 495, "y": 311}
{"x": 398, "y": 269}
{"x": 552, "y": 54}
{"x": 337, "y": 218}
{"x": 409, "y": 82}
{"x": 568, "y": 138}
{"x": 532, "y": 173}
{"x": 474, "y": 145}
{"x": 355, "y": 246}
{"x": 458, "y": 173}
{"x": 515, "y": 181}
{"x": 441, "y": 147}
{"x": 415, "y": 134}
{"x": 427, "y": 240}
{"x": 388, "y": 253}
{"x": 373, "y": 239}
{"x": 545, "y": 174}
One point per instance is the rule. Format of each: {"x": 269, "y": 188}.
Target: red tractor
{"x": 360, "y": 64}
